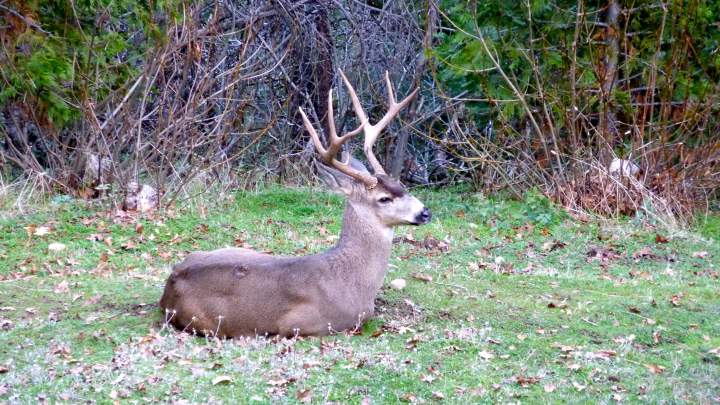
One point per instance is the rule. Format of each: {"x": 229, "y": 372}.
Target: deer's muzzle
{"x": 423, "y": 217}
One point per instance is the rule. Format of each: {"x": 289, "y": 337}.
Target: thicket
{"x": 609, "y": 107}
{"x": 555, "y": 91}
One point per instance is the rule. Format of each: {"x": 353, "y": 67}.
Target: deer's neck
{"x": 363, "y": 250}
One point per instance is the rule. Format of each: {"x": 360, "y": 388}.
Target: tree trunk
{"x": 608, "y": 129}
{"x": 398, "y": 159}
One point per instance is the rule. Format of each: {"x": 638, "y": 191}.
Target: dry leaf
{"x": 422, "y": 277}
{"x": 656, "y": 337}
{"x": 525, "y": 381}
{"x": 574, "y": 367}
{"x": 304, "y": 396}
{"x": 62, "y": 287}
{"x": 654, "y": 368}
{"x": 56, "y": 247}
{"x": 560, "y": 305}
{"x": 222, "y": 379}
{"x": 486, "y": 355}
{"x": 643, "y": 253}
{"x": 700, "y": 255}
{"x": 604, "y": 354}
{"x": 41, "y": 231}
{"x": 549, "y": 388}
{"x": 675, "y": 299}
{"x": 551, "y": 245}
{"x": 427, "y": 378}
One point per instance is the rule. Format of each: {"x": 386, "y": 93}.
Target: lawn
{"x": 506, "y": 301}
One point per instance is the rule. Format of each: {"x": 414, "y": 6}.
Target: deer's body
{"x": 239, "y": 292}
{"x": 257, "y": 293}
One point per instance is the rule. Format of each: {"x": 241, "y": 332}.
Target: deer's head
{"x": 375, "y": 193}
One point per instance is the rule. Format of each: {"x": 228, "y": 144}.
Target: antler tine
{"x": 394, "y": 107}
{"x": 334, "y": 145}
{"x": 373, "y": 131}
{"x": 359, "y": 111}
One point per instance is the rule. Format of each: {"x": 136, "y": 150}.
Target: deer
{"x": 236, "y": 292}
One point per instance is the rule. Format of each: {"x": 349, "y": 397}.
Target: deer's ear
{"x": 337, "y": 181}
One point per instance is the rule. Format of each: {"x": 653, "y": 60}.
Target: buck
{"x": 235, "y": 292}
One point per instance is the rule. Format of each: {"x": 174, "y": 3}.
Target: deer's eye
{"x": 385, "y": 200}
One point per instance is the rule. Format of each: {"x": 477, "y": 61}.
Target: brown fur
{"x": 239, "y": 292}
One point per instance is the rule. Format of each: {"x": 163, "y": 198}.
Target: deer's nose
{"x": 424, "y": 216}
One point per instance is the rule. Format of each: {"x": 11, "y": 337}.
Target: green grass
{"x": 519, "y": 309}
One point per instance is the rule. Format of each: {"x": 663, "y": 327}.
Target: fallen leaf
{"x": 602, "y": 254}
{"x": 604, "y": 354}
{"x": 656, "y": 337}
{"x": 409, "y": 397}
{"x": 422, "y": 277}
{"x": 62, "y": 287}
{"x": 578, "y": 386}
{"x": 574, "y": 367}
{"x": 551, "y": 245}
{"x": 525, "y": 381}
{"x": 56, "y": 247}
{"x": 427, "y": 378}
{"x": 661, "y": 239}
{"x": 304, "y": 396}
{"x": 700, "y": 255}
{"x": 624, "y": 339}
{"x": 561, "y": 304}
{"x": 222, "y": 379}
{"x": 644, "y": 253}
{"x": 41, "y": 231}
{"x": 655, "y": 369}
{"x": 549, "y": 388}
{"x": 438, "y": 395}
{"x": 675, "y": 299}
{"x": 486, "y": 355}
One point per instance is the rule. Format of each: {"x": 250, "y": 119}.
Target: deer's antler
{"x": 371, "y": 133}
